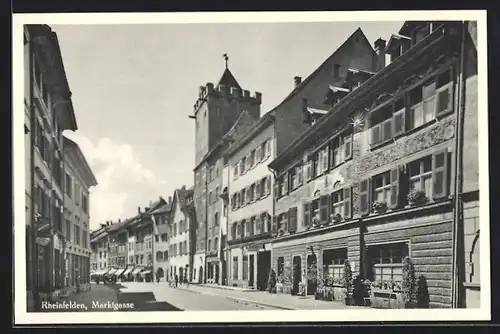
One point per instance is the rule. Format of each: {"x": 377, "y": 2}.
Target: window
{"x": 440, "y": 181}
{"x": 235, "y": 169}
{"x": 387, "y": 261}
{"x": 252, "y": 161}
{"x": 283, "y": 222}
{"x": 85, "y": 204}
{"x": 268, "y": 186}
{"x": 283, "y": 185}
{"x": 257, "y": 191}
{"x": 333, "y": 262}
{"x": 281, "y": 265}
{"x": 292, "y": 220}
{"x": 216, "y": 194}
{"x": 323, "y": 210}
{"x": 323, "y": 160}
{"x": 268, "y": 148}
{"x": 77, "y": 194}
{"x": 216, "y": 219}
{"x": 381, "y": 121}
{"x": 420, "y": 175}
{"x": 77, "y": 235}
{"x": 251, "y": 193}
{"x": 243, "y": 164}
{"x": 242, "y": 197}
{"x": 68, "y": 230}
{"x": 234, "y": 231}
{"x": 337, "y": 199}
{"x": 307, "y": 215}
{"x": 258, "y": 154}
{"x": 262, "y": 188}
{"x": 235, "y": 267}
{"x": 69, "y": 185}
{"x": 382, "y": 187}
{"x": 249, "y": 162}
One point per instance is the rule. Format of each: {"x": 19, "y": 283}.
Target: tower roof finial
{"x": 226, "y": 58}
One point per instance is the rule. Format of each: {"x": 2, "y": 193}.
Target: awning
{"x": 111, "y": 271}
{"x": 136, "y": 271}
{"x": 127, "y": 271}
{"x": 119, "y": 271}
{"x": 145, "y": 272}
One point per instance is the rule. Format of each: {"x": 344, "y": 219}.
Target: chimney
{"x": 297, "y": 80}
{"x": 380, "y": 51}
{"x": 169, "y": 199}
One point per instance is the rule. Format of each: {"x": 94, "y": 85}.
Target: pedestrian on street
{"x": 157, "y": 278}
{"x": 176, "y": 280}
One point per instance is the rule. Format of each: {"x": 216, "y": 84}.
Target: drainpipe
{"x": 34, "y": 225}
{"x": 458, "y": 180}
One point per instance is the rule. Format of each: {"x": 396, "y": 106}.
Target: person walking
{"x": 176, "y": 280}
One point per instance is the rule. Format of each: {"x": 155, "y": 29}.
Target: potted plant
{"x": 315, "y": 221}
{"x": 336, "y": 217}
{"x": 379, "y": 207}
{"x": 409, "y": 284}
{"x": 271, "y": 282}
{"x": 347, "y": 282}
{"x": 417, "y": 197}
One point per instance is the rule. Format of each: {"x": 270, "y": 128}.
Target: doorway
{"x": 200, "y": 275}
{"x": 251, "y": 272}
{"x": 263, "y": 267}
{"x": 297, "y": 273}
{"x": 312, "y": 274}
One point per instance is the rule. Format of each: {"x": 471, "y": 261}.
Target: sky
{"x": 134, "y": 87}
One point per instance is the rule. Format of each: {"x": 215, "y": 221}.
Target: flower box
{"x": 386, "y": 298}
{"x": 335, "y": 218}
{"x": 417, "y": 197}
{"x": 379, "y": 207}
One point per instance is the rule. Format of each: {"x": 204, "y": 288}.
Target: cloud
{"x": 121, "y": 178}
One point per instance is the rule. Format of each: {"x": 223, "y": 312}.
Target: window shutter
{"x": 387, "y": 131}
{"x": 257, "y": 191}
{"x": 348, "y": 147}
{"x": 376, "y": 134}
{"x": 285, "y": 182}
{"x": 399, "y": 122}
{"x": 323, "y": 209}
{"x": 292, "y": 219}
{"x": 258, "y": 223}
{"x": 258, "y": 155}
{"x": 300, "y": 175}
{"x": 395, "y": 188}
{"x": 364, "y": 197}
{"x": 325, "y": 159}
{"x": 307, "y": 215}
{"x": 249, "y": 162}
{"x": 348, "y": 203}
{"x": 268, "y": 148}
{"x": 320, "y": 162}
{"x": 308, "y": 170}
{"x": 444, "y": 100}
{"x": 249, "y": 195}
{"x": 440, "y": 174}
{"x": 268, "y": 188}
{"x": 247, "y": 225}
{"x": 277, "y": 189}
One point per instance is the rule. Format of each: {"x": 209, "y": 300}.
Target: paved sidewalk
{"x": 279, "y": 301}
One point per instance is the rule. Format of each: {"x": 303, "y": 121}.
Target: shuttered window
{"x": 395, "y": 198}
{"x": 440, "y": 174}
{"x": 323, "y": 209}
{"x": 307, "y": 215}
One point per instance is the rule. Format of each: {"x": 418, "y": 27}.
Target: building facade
{"x": 48, "y": 112}
{"x": 215, "y": 111}
{"x": 373, "y": 180}
{"x": 251, "y": 189}
{"x": 79, "y": 178}
{"x": 99, "y": 247}
{"x": 161, "y": 242}
{"x": 182, "y": 237}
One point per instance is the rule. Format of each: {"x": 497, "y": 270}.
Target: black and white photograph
{"x": 316, "y": 166}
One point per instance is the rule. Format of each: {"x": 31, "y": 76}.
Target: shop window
{"x": 387, "y": 262}
{"x": 333, "y": 263}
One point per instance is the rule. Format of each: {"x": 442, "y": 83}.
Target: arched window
{"x": 474, "y": 261}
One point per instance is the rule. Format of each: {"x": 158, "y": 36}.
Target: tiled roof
{"x": 165, "y": 208}
{"x": 228, "y": 79}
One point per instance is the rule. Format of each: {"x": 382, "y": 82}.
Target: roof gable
{"x": 242, "y": 125}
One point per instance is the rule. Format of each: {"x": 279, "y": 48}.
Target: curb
{"x": 249, "y": 301}
{"x": 223, "y": 287}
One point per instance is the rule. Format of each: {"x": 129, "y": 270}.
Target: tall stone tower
{"x": 215, "y": 112}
